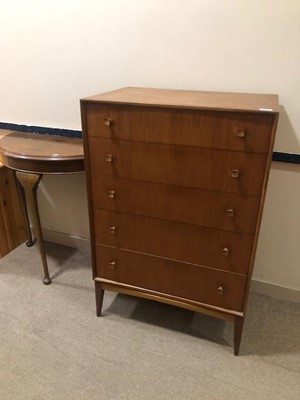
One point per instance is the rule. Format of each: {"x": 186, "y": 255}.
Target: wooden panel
{"x": 182, "y": 127}
{"x": 12, "y": 223}
{"x": 175, "y": 203}
{"x": 171, "y": 277}
{"x": 188, "y": 243}
{"x": 178, "y": 165}
{"x": 4, "y": 244}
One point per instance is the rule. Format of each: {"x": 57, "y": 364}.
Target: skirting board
{"x": 271, "y": 290}
{"x": 66, "y": 240}
{"x": 259, "y": 287}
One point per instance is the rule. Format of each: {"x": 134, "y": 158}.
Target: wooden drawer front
{"x": 228, "y": 251}
{"x": 171, "y": 277}
{"x": 175, "y": 203}
{"x": 222, "y": 130}
{"x": 178, "y": 165}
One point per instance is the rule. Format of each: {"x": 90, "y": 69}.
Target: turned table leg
{"x": 29, "y": 183}
{"x": 238, "y": 330}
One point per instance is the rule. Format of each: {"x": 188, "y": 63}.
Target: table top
{"x": 45, "y": 154}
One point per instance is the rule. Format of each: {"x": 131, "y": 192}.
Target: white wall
{"x": 54, "y": 53}
{"x": 277, "y": 259}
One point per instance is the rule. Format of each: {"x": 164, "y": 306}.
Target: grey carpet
{"x": 52, "y": 346}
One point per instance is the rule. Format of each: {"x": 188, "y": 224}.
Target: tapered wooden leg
{"x": 238, "y": 330}
{"x": 30, "y": 184}
{"x": 31, "y": 240}
{"x": 99, "y": 292}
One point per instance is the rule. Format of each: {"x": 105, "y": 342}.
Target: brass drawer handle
{"x": 107, "y": 121}
{"x": 220, "y": 290}
{"x": 240, "y": 133}
{"x": 112, "y": 230}
{"x": 225, "y": 252}
{"x": 234, "y": 173}
{"x": 112, "y": 265}
{"x": 109, "y": 158}
{"x": 111, "y": 194}
{"x": 230, "y": 213}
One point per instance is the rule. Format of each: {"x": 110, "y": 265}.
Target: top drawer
{"x": 222, "y": 130}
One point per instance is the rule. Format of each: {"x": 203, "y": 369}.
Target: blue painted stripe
{"x": 289, "y": 158}
{"x": 42, "y": 130}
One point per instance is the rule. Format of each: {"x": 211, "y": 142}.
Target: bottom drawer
{"x": 192, "y": 282}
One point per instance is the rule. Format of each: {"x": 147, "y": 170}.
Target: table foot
{"x": 30, "y": 243}
{"x": 47, "y": 281}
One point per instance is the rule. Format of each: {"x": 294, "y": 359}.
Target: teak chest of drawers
{"x": 176, "y": 185}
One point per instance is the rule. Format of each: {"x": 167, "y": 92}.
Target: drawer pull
{"x": 108, "y": 157}
{"x": 112, "y": 265}
{"x": 107, "y": 121}
{"x": 230, "y": 213}
{"x": 111, "y": 194}
{"x": 112, "y": 230}
{"x": 240, "y": 133}
{"x": 220, "y": 290}
{"x": 225, "y": 252}
{"x": 234, "y": 173}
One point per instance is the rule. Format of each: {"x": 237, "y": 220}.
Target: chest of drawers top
{"x": 191, "y": 99}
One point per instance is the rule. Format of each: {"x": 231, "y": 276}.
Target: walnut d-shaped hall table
{"x": 31, "y": 156}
